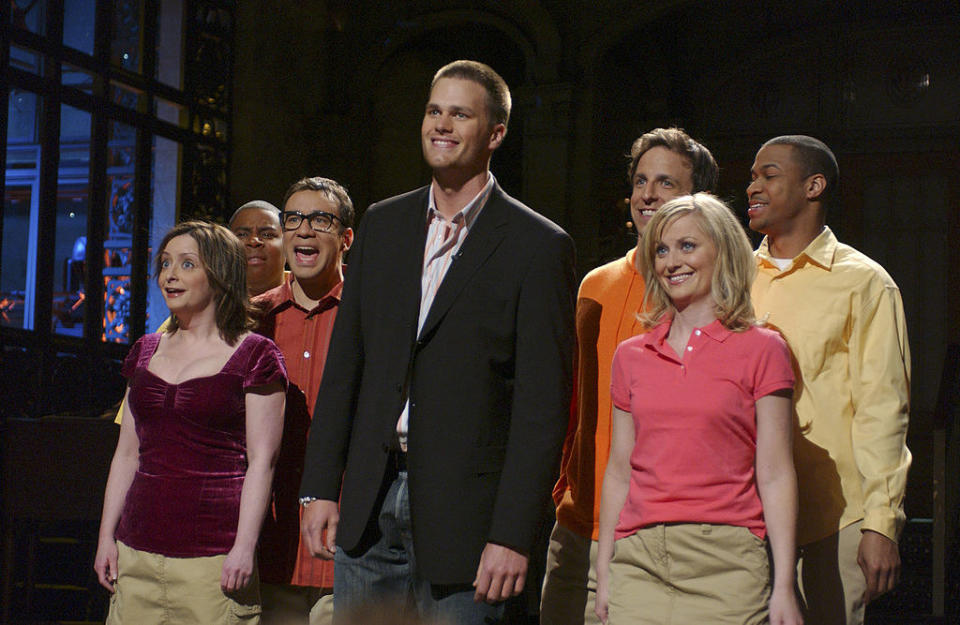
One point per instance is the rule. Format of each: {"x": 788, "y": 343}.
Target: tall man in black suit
{"x": 446, "y": 391}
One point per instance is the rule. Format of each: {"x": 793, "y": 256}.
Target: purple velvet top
{"x": 185, "y": 497}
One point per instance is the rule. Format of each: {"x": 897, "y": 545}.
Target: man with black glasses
{"x": 316, "y": 221}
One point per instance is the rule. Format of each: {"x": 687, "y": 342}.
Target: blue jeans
{"x": 387, "y": 571}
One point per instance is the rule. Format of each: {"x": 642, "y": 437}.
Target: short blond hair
{"x": 733, "y": 271}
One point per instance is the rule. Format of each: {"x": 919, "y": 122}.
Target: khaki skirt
{"x": 690, "y": 573}
{"x": 152, "y": 589}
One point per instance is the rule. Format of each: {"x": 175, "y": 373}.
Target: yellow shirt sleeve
{"x": 842, "y": 316}
{"x": 880, "y": 377}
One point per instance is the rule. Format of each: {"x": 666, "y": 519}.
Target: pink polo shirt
{"x": 695, "y": 419}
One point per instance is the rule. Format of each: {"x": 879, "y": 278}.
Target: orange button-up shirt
{"x": 610, "y": 298}
{"x": 304, "y": 337}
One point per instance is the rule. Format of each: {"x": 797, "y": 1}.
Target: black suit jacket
{"x": 489, "y": 380}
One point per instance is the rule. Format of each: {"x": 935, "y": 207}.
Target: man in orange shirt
{"x": 317, "y": 222}
{"x": 664, "y": 163}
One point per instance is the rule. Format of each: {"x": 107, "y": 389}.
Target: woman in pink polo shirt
{"x": 701, "y": 473}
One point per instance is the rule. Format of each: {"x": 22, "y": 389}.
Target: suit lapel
{"x": 409, "y": 267}
{"x": 486, "y": 234}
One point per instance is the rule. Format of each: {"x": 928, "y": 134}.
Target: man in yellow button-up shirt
{"x": 842, "y": 317}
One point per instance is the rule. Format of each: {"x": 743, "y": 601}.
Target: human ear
{"x": 815, "y": 186}
{"x": 497, "y": 134}
{"x": 346, "y": 240}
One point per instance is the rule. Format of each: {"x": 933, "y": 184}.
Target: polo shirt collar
{"x": 655, "y": 338}
{"x": 820, "y": 251}
{"x": 717, "y": 331}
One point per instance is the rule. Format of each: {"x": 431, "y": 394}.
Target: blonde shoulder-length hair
{"x": 734, "y": 268}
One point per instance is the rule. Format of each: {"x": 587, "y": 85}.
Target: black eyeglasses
{"x": 319, "y": 221}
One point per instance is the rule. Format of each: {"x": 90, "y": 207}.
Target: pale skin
{"x": 660, "y": 176}
{"x": 777, "y": 487}
{"x": 616, "y": 484}
{"x": 195, "y": 350}
{"x": 458, "y": 138}
{"x": 686, "y": 252}
{"x": 314, "y": 274}
{"x": 786, "y": 206}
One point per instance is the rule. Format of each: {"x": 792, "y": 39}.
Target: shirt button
{"x": 306, "y": 354}
{"x": 689, "y": 348}
{"x": 697, "y": 332}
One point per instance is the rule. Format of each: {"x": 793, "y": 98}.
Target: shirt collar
{"x": 717, "y": 331}
{"x": 471, "y": 211}
{"x": 657, "y": 335}
{"x": 282, "y": 296}
{"x": 819, "y": 252}
{"x": 275, "y": 297}
{"x": 655, "y": 338}
{"x": 632, "y": 260}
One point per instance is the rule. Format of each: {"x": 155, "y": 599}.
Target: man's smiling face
{"x": 457, "y": 132}
{"x": 661, "y": 175}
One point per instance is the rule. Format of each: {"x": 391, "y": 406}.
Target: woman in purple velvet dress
{"x": 190, "y": 479}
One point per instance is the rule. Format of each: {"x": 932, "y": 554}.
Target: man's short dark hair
{"x": 498, "y": 93}
{"x": 705, "y": 171}
{"x": 261, "y": 204}
{"x": 814, "y": 157}
{"x": 333, "y": 189}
